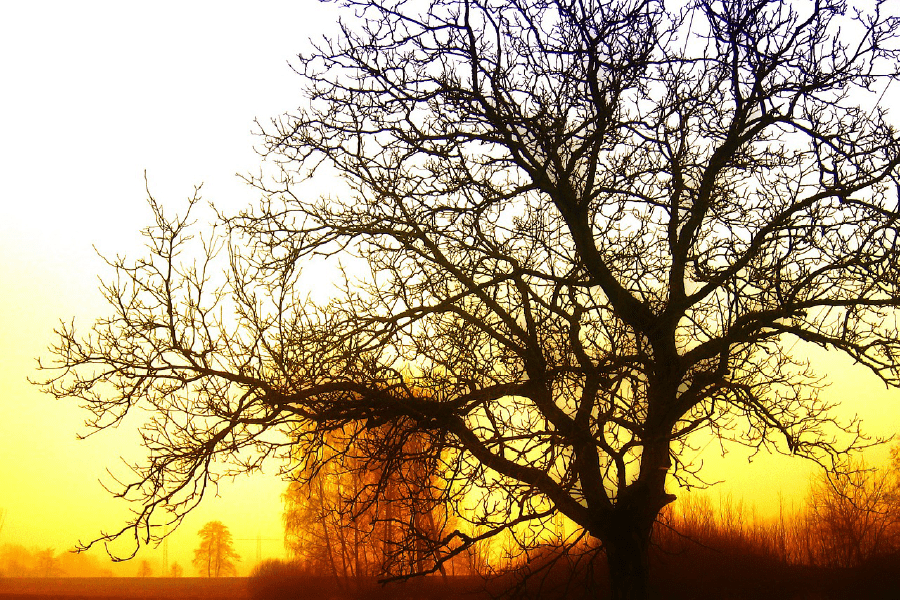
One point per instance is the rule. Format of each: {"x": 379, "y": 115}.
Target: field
{"x": 681, "y": 577}
{"x": 112, "y": 588}
{"x": 235, "y": 588}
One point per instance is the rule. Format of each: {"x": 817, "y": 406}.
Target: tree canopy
{"x": 590, "y": 230}
{"x": 215, "y": 556}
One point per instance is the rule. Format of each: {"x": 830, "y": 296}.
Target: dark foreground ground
{"x": 677, "y": 579}
{"x": 123, "y": 588}
{"x": 237, "y": 588}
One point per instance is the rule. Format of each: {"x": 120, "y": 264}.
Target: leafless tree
{"x": 853, "y": 517}
{"x": 176, "y": 570}
{"x": 145, "y": 569}
{"x": 215, "y": 556}
{"x": 592, "y": 229}
{"x": 354, "y": 518}
{"x": 47, "y": 563}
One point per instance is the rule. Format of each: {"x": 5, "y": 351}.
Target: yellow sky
{"x": 93, "y": 94}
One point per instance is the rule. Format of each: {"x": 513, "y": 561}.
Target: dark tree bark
{"x": 578, "y": 233}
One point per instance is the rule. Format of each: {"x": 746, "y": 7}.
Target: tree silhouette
{"x": 144, "y": 569}
{"x": 47, "y": 563}
{"x": 589, "y": 232}
{"x": 351, "y": 518}
{"x": 854, "y": 516}
{"x": 215, "y": 556}
{"x": 176, "y": 570}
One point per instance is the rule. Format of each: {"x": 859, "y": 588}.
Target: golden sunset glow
{"x": 95, "y": 94}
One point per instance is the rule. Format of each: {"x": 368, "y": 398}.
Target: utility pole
{"x": 165, "y": 556}
{"x": 259, "y": 539}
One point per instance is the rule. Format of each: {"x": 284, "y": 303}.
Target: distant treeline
{"x": 18, "y": 561}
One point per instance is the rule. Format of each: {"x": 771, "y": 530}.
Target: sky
{"x": 93, "y": 95}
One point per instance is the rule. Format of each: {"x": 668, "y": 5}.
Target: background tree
{"x": 215, "y": 556}
{"x": 853, "y": 517}
{"x": 18, "y": 561}
{"x": 591, "y": 230}
{"x": 176, "y": 570}
{"x": 351, "y": 518}
{"x": 48, "y": 563}
{"x": 144, "y": 569}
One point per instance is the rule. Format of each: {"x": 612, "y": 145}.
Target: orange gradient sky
{"x": 95, "y": 93}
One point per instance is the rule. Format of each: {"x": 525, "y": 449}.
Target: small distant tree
{"x": 215, "y": 557}
{"x": 48, "y": 563}
{"x": 176, "y": 570}
{"x": 145, "y": 570}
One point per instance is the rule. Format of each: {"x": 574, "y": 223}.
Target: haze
{"x": 94, "y": 95}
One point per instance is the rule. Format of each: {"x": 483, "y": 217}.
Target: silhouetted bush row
{"x": 279, "y": 580}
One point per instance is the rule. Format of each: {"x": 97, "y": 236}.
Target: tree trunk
{"x": 629, "y": 526}
{"x": 628, "y": 557}
{"x": 357, "y": 567}
{"x": 433, "y": 534}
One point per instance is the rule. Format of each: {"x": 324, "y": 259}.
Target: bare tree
{"x": 215, "y": 556}
{"x": 145, "y": 569}
{"x": 322, "y": 532}
{"x": 853, "y": 517}
{"x": 592, "y": 230}
{"x": 176, "y": 570}
{"x": 48, "y": 563}
{"x": 352, "y": 518}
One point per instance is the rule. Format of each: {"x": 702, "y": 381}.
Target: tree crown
{"x": 592, "y": 230}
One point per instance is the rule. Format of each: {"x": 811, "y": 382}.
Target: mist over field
{"x": 842, "y": 541}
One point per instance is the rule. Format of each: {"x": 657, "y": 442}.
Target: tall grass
{"x": 841, "y": 542}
